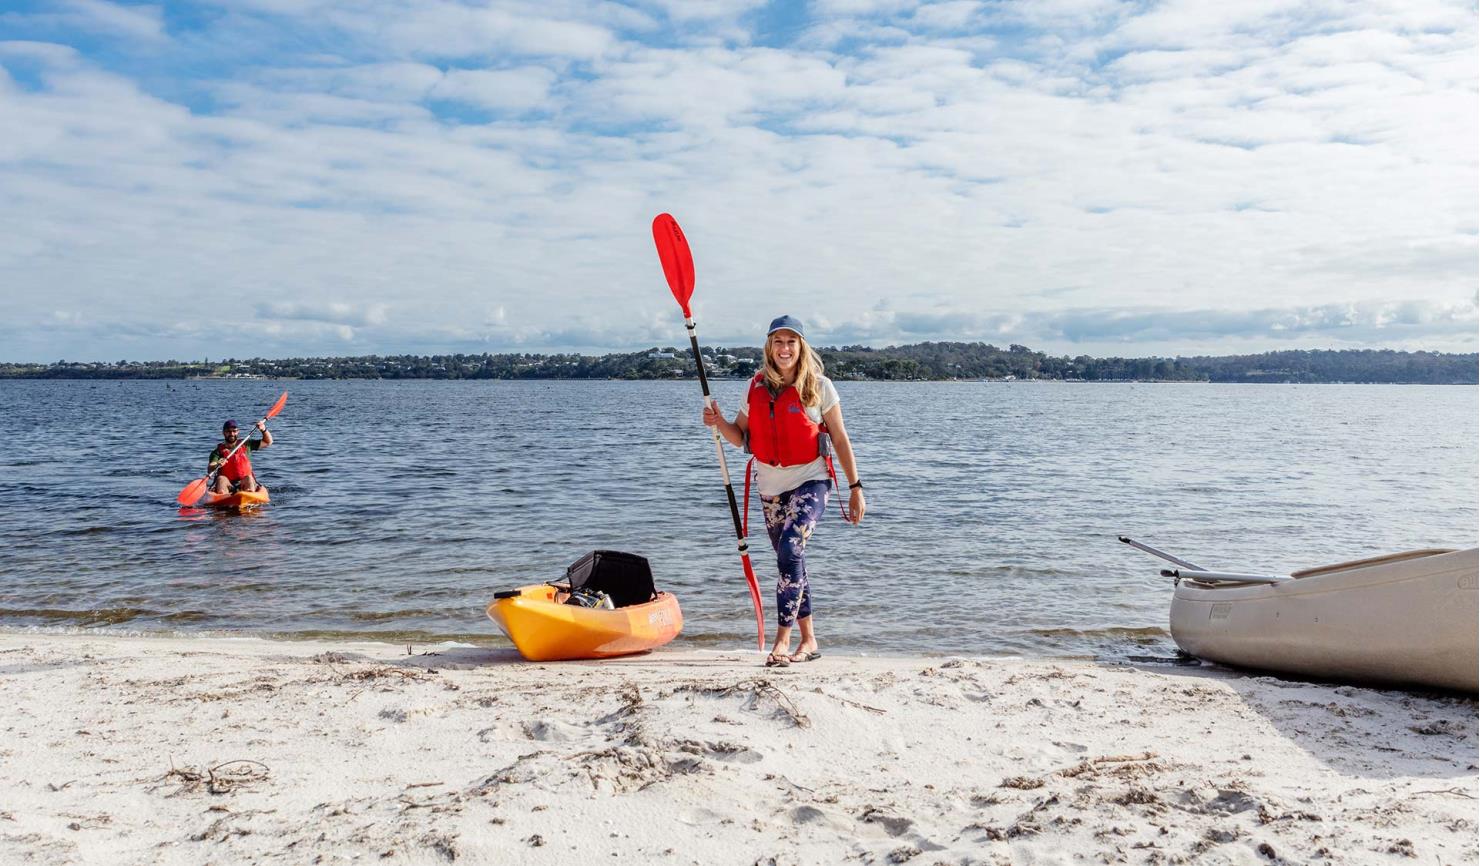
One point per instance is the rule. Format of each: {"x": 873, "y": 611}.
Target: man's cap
{"x": 229, "y": 425}
{"x": 786, "y": 323}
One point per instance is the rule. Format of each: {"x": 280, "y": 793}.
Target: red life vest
{"x": 781, "y": 433}
{"x": 239, "y": 466}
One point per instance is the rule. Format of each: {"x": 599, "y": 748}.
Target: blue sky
{"x": 308, "y": 177}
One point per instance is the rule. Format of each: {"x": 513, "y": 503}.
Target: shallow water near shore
{"x": 398, "y": 508}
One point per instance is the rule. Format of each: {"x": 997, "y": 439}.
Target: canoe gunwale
{"x": 1314, "y": 583}
{"x": 1369, "y": 562}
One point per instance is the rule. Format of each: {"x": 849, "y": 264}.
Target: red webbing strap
{"x": 843, "y": 509}
{"x": 748, "y": 464}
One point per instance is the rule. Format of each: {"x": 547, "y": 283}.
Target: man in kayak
{"x": 230, "y": 458}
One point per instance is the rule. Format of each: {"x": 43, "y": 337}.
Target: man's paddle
{"x": 196, "y": 488}
{"x": 678, "y": 268}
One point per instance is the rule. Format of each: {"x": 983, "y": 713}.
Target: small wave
{"x": 387, "y": 615}
{"x": 85, "y": 530}
{"x": 1111, "y": 632}
{"x": 187, "y": 616}
{"x": 410, "y": 636}
{"x": 99, "y": 616}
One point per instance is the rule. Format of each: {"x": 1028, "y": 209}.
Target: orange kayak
{"x": 239, "y": 501}
{"x": 544, "y": 631}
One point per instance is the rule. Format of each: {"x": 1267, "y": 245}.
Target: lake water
{"x": 398, "y": 508}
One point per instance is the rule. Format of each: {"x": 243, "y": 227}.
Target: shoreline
{"x": 1136, "y": 648}
{"x": 714, "y": 377}
{"x": 495, "y": 640}
{"x": 185, "y": 750}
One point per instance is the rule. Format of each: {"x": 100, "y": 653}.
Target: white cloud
{"x": 518, "y": 89}
{"x": 446, "y": 29}
{"x": 333, "y": 312}
{"x": 140, "y": 21}
{"x": 707, "y": 10}
{"x": 1111, "y": 331}
{"x": 947, "y": 16}
{"x": 862, "y": 7}
{"x": 1268, "y": 157}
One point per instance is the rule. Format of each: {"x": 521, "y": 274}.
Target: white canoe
{"x": 1405, "y": 619}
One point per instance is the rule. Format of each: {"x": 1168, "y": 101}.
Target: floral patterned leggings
{"x": 790, "y": 519}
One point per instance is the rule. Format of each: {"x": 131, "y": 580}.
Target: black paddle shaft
{"x": 698, "y": 358}
{"x": 704, "y": 384}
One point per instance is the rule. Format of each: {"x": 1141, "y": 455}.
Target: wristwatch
{"x": 856, "y": 485}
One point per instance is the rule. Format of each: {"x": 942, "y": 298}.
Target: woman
{"x": 788, "y": 408}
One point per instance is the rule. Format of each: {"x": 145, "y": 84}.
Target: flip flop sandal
{"x": 775, "y": 661}
{"x": 812, "y": 656}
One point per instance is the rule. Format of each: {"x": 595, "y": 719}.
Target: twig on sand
{"x": 242, "y": 772}
{"x": 1093, "y": 764}
{"x": 756, "y": 688}
{"x": 1452, "y": 792}
{"x": 760, "y": 687}
{"x": 365, "y": 675}
{"x": 387, "y": 671}
{"x": 222, "y": 778}
{"x": 851, "y": 703}
{"x": 186, "y": 775}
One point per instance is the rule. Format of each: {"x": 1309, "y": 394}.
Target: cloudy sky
{"x": 286, "y": 177}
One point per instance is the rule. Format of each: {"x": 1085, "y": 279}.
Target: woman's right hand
{"x": 711, "y": 415}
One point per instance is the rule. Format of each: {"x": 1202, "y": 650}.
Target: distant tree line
{"x": 920, "y": 361}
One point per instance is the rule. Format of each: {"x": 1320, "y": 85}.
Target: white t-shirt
{"x": 776, "y": 480}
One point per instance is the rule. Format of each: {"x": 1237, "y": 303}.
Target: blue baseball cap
{"x": 229, "y": 425}
{"x": 786, "y": 323}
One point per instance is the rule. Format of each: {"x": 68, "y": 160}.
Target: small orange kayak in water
{"x": 239, "y": 501}
{"x": 544, "y": 630}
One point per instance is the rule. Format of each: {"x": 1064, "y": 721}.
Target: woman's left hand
{"x": 856, "y": 505}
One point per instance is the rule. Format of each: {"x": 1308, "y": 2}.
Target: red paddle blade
{"x": 678, "y": 262}
{"x": 277, "y": 407}
{"x": 755, "y": 601}
{"x": 192, "y": 492}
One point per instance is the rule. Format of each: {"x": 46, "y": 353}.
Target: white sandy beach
{"x": 151, "y": 750}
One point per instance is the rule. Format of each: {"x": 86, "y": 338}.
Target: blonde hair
{"x": 809, "y": 372}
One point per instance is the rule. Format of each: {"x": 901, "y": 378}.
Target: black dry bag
{"x": 626, "y": 577}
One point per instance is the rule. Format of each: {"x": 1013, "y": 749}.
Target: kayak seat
{"x": 625, "y": 577}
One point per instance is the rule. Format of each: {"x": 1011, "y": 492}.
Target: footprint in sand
{"x": 815, "y": 817}
{"x": 699, "y": 817}
{"x": 726, "y": 751}
{"x": 554, "y": 731}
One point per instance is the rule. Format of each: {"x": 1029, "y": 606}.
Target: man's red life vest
{"x": 239, "y": 466}
{"x": 781, "y": 432}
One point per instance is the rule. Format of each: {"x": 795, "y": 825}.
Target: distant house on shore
{"x": 660, "y": 355}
